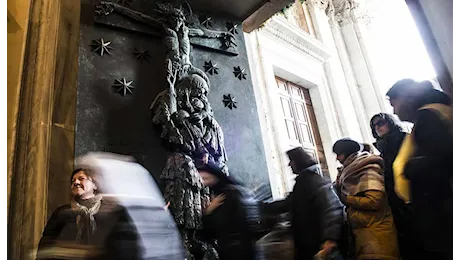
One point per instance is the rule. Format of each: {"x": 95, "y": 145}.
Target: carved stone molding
{"x": 347, "y": 11}
{"x": 283, "y": 31}
{"x": 343, "y": 10}
{"x": 321, "y": 4}
{"x": 359, "y": 15}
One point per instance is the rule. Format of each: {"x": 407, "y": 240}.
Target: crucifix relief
{"x": 181, "y": 111}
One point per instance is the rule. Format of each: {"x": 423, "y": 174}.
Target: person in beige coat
{"x": 361, "y": 188}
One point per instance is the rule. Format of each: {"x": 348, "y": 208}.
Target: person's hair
{"x": 394, "y": 124}
{"x": 416, "y": 95}
{"x": 401, "y": 88}
{"x": 213, "y": 168}
{"x": 301, "y": 158}
{"x": 346, "y": 146}
{"x": 89, "y": 173}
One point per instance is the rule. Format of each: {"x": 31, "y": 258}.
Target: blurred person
{"x": 159, "y": 237}
{"x": 389, "y": 135}
{"x": 316, "y": 212}
{"x": 227, "y": 218}
{"x": 90, "y": 227}
{"x": 361, "y": 188}
{"x": 278, "y": 244}
{"x": 132, "y": 221}
{"x": 423, "y": 168}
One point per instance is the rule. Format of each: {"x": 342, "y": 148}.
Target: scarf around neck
{"x": 85, "y": 210}
{"x": 361, "y": 172}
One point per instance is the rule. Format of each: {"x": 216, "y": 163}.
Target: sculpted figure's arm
{"x": 106, "y": 8}
{"x": 205, "y": 33}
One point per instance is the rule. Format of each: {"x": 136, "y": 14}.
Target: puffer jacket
{"x": 368, "y": 213}
{"x": 372, "y": 225}
{"x": 316, "y": 211}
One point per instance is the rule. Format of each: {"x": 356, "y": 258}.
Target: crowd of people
{"x": 394, "y": 204}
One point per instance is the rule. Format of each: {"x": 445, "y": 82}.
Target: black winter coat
{"x": 228, "y": 224}
{"x": 389, "y": 148}
{"x": 316, "y": 211}
{"x": 116, "y": 237}
{"x": 402, "y": 213}
{"x": 430, "y": 172}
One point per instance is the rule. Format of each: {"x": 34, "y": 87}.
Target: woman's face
{"x": 381, "y": 126}
{"x": 208, "y": 179}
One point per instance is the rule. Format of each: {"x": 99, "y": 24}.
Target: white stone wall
{"x": 332, "y": 64}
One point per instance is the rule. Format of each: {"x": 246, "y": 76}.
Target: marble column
{"x": 351, "y": 18}
{"x": 335, "y": 75}
{"x": 353, "y": 86}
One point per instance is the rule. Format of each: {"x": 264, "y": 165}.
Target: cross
{"x": 118, "y": 21}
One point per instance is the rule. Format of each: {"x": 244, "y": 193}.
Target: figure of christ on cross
{"x": 182, "y": 109}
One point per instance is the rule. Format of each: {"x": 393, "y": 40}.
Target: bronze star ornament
{"x": 232, "y": 28}
{"x": 229, "y": 101}
{"x": 228, "y": 40}
{"x": 123, "y": 86}
{"x": 101, "y": 47}
{"x": 142, "y": 54}
{"x": 211, "y": 68}
{"x": 239, "y": 73}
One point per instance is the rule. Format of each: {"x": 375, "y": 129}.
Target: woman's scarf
{"x": 362, "y": 171}
{"x": 85, "y": 210}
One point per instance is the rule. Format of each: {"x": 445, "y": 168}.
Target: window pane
{"x": 306, "y": 133}
{"x": 286, "y": 107}
{"x": 291, "y": 130}
{"x": 282, "y": 85}
{"x": 300, "y": 109}
{"x": 296, "y": 91}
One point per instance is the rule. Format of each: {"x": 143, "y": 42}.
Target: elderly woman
{"x": 361, "y": 188}
{"x": 90, "y": 226}
{"x": 426, "y": 161}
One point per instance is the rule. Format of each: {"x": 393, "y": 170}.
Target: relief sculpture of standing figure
{"x": 183, "y": 114}
{"x": 182, "y": 109}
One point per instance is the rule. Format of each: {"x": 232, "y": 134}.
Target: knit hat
{"x": 301, "y": 158}
{"x": 346, "y": 146}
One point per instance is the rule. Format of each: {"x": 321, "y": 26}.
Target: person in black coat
{"x": 90, "y": 227}
{"x": 316, "y": 211}
{"x": 389, "y": 136}
{"x": 228, "y": 217}
{"x": 430, "y": 168}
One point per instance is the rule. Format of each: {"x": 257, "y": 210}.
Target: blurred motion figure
{"x": 90, "y": 226}
{"x": 315, "y": 209}
{"x": 116, "y": 212}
